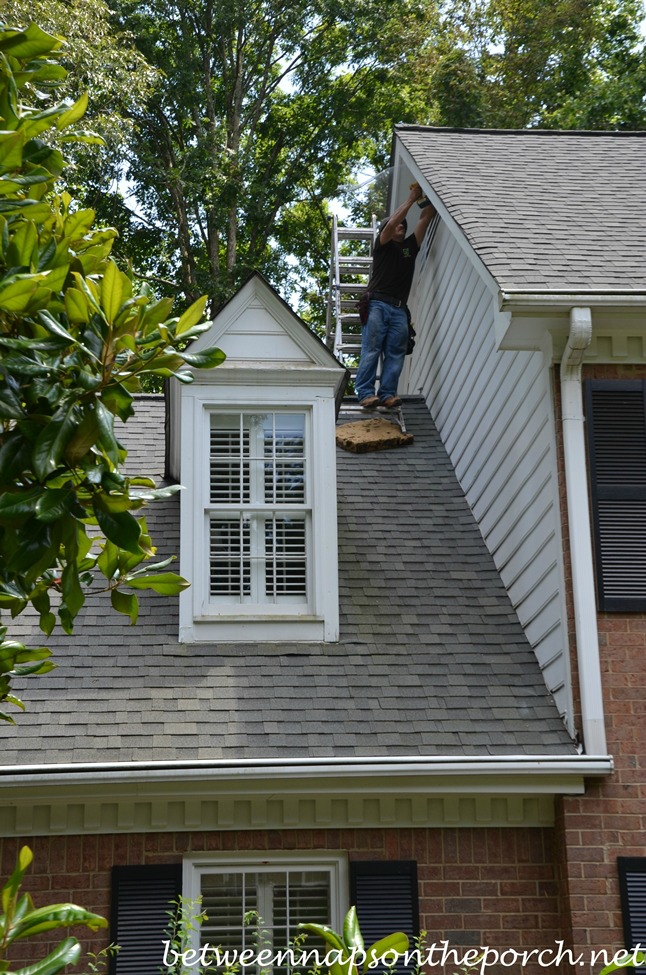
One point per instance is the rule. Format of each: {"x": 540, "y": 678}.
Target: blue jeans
{"x": 385, "y": 333}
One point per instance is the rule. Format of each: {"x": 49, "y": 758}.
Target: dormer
{"x": 253, "y": 443}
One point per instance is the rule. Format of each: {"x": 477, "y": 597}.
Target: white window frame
{"x": 335, "y": 864}
{"x": 206, "y": 619}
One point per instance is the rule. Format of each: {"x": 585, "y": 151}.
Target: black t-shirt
{"x": 393, "y": 266}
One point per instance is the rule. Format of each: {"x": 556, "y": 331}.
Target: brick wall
{"x": 495, "y": 887}
{"x": 610, "y": 819}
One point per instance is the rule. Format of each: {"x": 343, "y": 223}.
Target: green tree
{"x": 76, "y": 340}
{"x": 104, "y": 62}
{"x": 261, "y": 111}
{"x": 520, "y": 63}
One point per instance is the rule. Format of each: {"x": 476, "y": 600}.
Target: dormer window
{"x": 253, "y": 443}
{"x": 258, "y": 510}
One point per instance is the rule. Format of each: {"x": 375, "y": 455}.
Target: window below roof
{"x": 259, "y": 520}
{"x": 616, "y": 421}
{"x": 256, "y": 903}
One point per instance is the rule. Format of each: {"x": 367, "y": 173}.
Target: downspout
{"x": 576, "y": 485}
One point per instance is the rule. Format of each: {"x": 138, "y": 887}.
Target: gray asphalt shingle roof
{"x": 431, "y": 660}
{"x": 544, "y": 210}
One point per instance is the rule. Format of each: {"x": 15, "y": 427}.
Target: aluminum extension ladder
{"x": 349, "y": 274}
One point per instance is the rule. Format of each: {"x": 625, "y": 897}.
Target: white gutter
{"x": 519, "y": 300}
{"x": 583, "y": 589}
{"x": 406, "y": 765}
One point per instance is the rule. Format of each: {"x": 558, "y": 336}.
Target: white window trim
{"x": 319, "y": 619}
{"x": 334, "y": 863}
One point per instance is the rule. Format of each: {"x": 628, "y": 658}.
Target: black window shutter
{"x": 616, "y": 419}
{"x": 385, "y": 895}
{"x": 632, "y": 888}
{"x": 141, "y": 900}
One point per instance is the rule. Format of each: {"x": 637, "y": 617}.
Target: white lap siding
{"x": 493, "y": 410}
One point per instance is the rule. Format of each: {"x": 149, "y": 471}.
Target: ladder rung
{"x": 355, "y": 259}
{"x": 355, "y": 233}
{"x": 348, "y": 288}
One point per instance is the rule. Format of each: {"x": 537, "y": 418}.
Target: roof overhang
{"x": 523, "y": 319}
{"x": 297, "y": 793}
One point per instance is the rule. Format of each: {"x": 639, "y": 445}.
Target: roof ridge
{"x": 622, "y": 133}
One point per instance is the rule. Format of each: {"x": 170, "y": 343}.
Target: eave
{"x": 402, "y": 791}
{"x": 523, "y": 319}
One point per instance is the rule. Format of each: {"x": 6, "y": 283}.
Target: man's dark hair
{"x": 386, "y": 219}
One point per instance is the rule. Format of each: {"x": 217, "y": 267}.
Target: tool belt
{"x": 380, "y": 296}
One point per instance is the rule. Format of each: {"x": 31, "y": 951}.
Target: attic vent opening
{"x": 259, "y": 518}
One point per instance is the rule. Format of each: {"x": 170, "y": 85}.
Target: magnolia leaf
{"x": 629, "y": 961}
{"x": 84, "y": 438}
{"x": 54, "y": 503}
{"x": 58, "y": 916}
{"x": 397, "y": 942}
{"x": 323, "y": 931}
{"x": 73, "y": 114}
{"x": 10, "y": 405}
{"x": 77, "y": 224}
{"x": 107, "y": 439}
{"x": 207, "y": 359}
{"x": 17, "y": 296}
{"x": 73, "y": 594}
{"x": 77, "y": 307}
{"x": 23, "y": 243}
{"x": 166, "y": 583}
{"x": 28, "y": 669}
{"x": 118, "y": 400}
{"x": 351, "y": 931}
{"x": 87, "y": 138}
{"x": 51, "y": 443}
{"x": 126, "y": 603}
{"x": 112, "y": 291}
{"x": 66, "y": 953}
{"x": 157, "y": 313}
{"x": 11, "y": 147}
{"x": 12, "y": 886}
{"x": 120, "y": 527}
{"x": 192, "y": 316}
{"x": 18, "y": 504}
{"x": 29, "y": 43}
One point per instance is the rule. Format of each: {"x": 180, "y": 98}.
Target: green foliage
{"x": 260, "y": 112}
{"x": 76, "y": 342}
{"x": 349, "y": 944}
{"x": 631, "y": 959}
{"x": 19, "y": 919}
{"x": 524, "y": 63}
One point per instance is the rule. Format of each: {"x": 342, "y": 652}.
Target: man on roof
{"x": 385, "y": 331}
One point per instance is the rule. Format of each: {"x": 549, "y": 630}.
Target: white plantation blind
{"x": 259, "y": 516}
{"x": 262, "y": 909}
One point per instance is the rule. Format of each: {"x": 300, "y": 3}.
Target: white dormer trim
{"x": 276, "y": 369}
